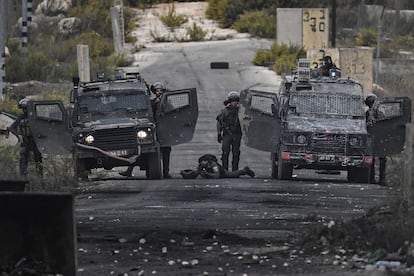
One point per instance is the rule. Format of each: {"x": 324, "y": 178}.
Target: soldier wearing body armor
{"x": 158, "y": 88}
{"x": 229, "y": 131}
{"x": 21, "y": 129}
{"x": 208, "y": 167}
{"x": 369, "y": 101}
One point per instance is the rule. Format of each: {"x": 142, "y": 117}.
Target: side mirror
{"x": 274, "y": 110}
{"x": 72, "y": 96}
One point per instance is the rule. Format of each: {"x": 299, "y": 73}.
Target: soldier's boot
{"x": 128, "y": 171}
{"x": 235, "y": 161}
{"x": 382, "y": 167}
{"x": 23, "y": 162}
{"x": 249, "y": 172}
{"x": 166, "y": 163}
{"x": 225, "y": 161}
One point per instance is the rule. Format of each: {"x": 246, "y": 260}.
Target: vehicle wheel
{"x": 219, "y": 65}
{"x": 80, "y": 169}
{"x": 273, "y": 158}
{"x": 154, "y": 165}
{"x": 284, "y": 170}
{"x": 359, "y": 175}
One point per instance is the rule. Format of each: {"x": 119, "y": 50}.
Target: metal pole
{"x": 333, "y": 37}
{"x": 24, "y": 26}
{"x": 83, "y": 63}
{"x": 116, "y": 30}
{"x": 407, "y": 185}
{"x": 29, "y": 11}
{"x": 378, "y": 45}
{"x": 3, "y": 41}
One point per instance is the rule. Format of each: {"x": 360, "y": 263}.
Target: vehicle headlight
{"x": 89, "y": 139}
{"x": 301, "y": 139}
{"x": 142, "y": 134}
{"x": 354, "y": 141}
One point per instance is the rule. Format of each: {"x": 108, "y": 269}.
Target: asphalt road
{"x": 210, "y": 227}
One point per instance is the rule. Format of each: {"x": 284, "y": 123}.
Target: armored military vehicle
{"x": 317, "y": 120}
{"x": 111, "y": 124}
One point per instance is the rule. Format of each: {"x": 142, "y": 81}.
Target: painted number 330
{"x": 313, "y": 21}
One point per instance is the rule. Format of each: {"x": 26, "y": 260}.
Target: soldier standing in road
{"x": 229, "y": 131}
{"x": 21, "y": 129}
{"x": 369, "y": 101}
{"x": 158, "y": 88}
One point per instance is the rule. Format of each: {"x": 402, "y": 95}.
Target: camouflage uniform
{"x": 21, "y": 129}
{"x": 229, "y": 132}
{"x": 369, "y": 101}
{"x": 208, "y": 167}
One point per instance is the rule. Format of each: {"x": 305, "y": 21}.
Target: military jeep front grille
{"x": 116, "y": 138}
{"x": 328, "y": 143}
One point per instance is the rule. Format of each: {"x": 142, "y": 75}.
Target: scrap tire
{"x": 284, "y": 170}
{"x": 80, "y": 170}
{"x": 273, "y": 158}
{"x": 154, "y": 165}
{"x": 219, "y": 65}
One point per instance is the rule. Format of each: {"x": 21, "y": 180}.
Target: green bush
{"x": 172, "y": 19}
{"x": 282, "y": 56}
{"x": 9, "y": 105}
{"x": 256, "y": 23}
{"x": 121, "y": 61}
{"x": 195, "y": 32}
{"x": 9, "y": 162}
{"x": 284, "y": 64}
{"x": 366, "y": 37}
{"x": 263, "y": 57}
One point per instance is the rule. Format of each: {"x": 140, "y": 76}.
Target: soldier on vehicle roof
{"x": 229, "y": 131}
{"x": 21, "y": 129}
{"x": 158, "y": 88}
{"x": 328, "y": 64}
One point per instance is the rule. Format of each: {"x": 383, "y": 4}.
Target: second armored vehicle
{"x": 318, "y": 121}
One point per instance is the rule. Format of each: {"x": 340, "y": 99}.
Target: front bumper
{"x": 325, "y": 160}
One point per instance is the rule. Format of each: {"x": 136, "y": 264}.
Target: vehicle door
{"x": 177, "y": 117}
{"x": 388, "y": 131}
{"x": 49, "y": 127}
{"x": 259, "y": 119}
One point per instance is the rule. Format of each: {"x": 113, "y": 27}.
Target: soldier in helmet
{"x": 21, "y": 129}
{"x": 229, "y": 131}
{"x": 209, "y": 167}
{"x": 369, "y": 101}
{"x": 158, "y": 88}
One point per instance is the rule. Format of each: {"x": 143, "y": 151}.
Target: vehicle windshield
{"x": 326, "y": 104}
{"x": 107, "y": 103}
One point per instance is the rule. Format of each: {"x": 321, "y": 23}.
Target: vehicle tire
{"x": 273, "y": 158}
{"x": 358, "y": 175}
{"x": 80, "y": 170}
{"x": 219, "y": 65}
{"x": 154, "y": 165}
{"x": 284, "y": 170}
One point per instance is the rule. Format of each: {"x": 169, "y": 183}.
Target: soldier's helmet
{"x": 158, "y": 85}
{"x": 370, "y": 99}
{"x": 233, "y": 96}
{"x": 23, "y": 103}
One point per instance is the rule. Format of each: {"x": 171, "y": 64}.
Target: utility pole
{"x": 333, "y": 36}
{"x": 3, "y": 41}
{"x": 117, "y": 20}
{"x": 378, "y": 44}
{"x": 24, "y": 26}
